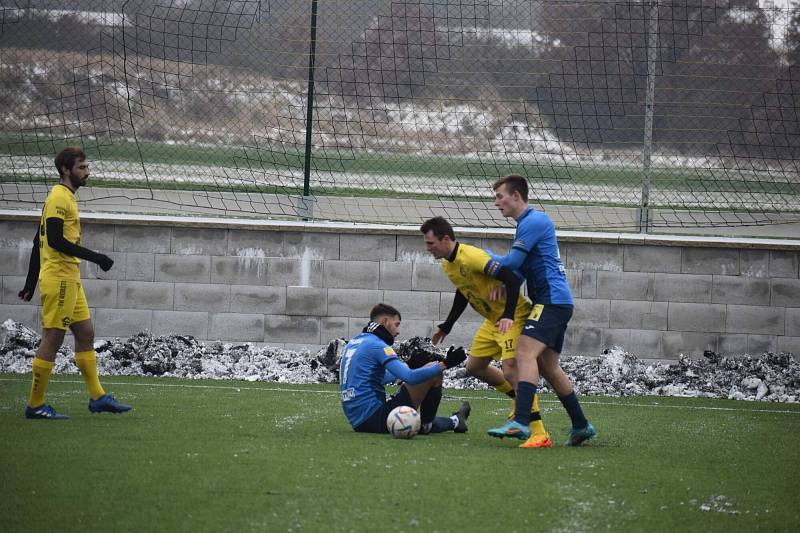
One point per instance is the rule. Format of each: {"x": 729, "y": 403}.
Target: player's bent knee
{"x": 477, "y": 365}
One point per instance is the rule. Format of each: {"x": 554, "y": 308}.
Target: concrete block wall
{"x": 298, "y": 285}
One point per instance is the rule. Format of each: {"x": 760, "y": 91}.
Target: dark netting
{"x": 624, "y": 115}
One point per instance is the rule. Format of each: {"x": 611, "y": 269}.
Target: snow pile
{"x": 770, "y": 377}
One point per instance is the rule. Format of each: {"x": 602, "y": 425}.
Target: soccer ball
{"x": 403, "y": 422}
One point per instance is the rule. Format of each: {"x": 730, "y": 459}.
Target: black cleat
{"x": 462, "y": 414}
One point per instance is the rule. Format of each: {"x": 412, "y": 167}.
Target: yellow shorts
{"x": 489, "y": 342}
{"x": 63, "y": 303}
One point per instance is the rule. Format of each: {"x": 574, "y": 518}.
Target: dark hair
{"x": 439, "y": 226}
{"x": 383, "y": 310}
{"x": 513, "y": 183}
{"x": 68, "y": 156}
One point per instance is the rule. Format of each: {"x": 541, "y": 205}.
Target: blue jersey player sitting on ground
{"x": 369, "y": 363}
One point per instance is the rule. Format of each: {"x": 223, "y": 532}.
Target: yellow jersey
{"x": 467, "y": 273}
{"x": 60, "y": 203}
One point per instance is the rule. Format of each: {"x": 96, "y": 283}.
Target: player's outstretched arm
{"x": 56, "y": 240}
{"x": 456, "y": 310}
{"x": 33, "y": 272}
{"x": 513, "y": 259}
{"x": 413, "y": 377}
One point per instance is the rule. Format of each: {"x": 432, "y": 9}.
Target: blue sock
{"x": 441, "y": 424}
{"x": 522, "y": 411}
{"x": 430, "y": 405}
{"x": 573, "y": 407}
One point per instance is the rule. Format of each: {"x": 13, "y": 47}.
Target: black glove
{"x": 455, "y": 356}
{"x": 104, "y": 262}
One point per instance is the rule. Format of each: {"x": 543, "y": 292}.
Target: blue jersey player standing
{"x": 534, "y": 255}
{"x": 369, "y": 363}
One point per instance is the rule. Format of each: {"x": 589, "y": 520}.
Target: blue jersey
{"x": 534, "y": 255}
{"x": 361, "y": 375}
{"x": 368, "y": 363}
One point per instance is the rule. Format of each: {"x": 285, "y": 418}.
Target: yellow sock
{"x": 505, "y": 388}
{"x": 87, "y": 364}
{"x": 537, "y": 426}
{"x": 41, "y": 375}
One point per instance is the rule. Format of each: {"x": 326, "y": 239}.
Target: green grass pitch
{"x": 238, "y": 456}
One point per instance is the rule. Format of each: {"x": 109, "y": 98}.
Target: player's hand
{"x": 104, "y": 262}
{"x": 498, "y": 293}
{"x": 26, "y": 294}
{"x": 504, "y": 325}
{"x": 437, "y": 336}
{"x": 455, "y": 356}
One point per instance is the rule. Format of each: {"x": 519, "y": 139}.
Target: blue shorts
{"x": 547, "y": 323}
{"x": 376, "y": 423}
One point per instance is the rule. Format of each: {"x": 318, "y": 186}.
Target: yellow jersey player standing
{"x": 475, "y": 274}
{"x": 55, "y": 262}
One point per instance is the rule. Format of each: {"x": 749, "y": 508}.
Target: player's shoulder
{"x": 535, "y": 220}
{"x": 60, "y": 193}
{"x": 470, "y": 253}
{"x": 379, "y": 349}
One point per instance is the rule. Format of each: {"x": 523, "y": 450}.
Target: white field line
{"x": 584, "y": 401}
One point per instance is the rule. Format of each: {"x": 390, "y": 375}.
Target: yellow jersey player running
{"x": 55, "y": 262}
{"x": 475, "y": 274}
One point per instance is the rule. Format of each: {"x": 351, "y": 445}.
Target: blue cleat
{"x": 579, "y": 436}
{"x": 513, "y": 429}
{"x": 108, "y": 403}
{"x": 44, "y": 411}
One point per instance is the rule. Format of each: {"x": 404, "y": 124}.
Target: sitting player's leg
{"x": 425, "y": 398}
{"x": 376, "y": 421}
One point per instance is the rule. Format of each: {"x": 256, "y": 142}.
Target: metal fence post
{"x": 647, "y": 149}
{"x": 307, "y": 202}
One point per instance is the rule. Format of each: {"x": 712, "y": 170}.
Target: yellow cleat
{"x": 538, "y": 441}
